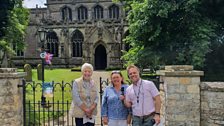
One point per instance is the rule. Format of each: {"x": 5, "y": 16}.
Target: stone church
{"x": 77, "y": 31}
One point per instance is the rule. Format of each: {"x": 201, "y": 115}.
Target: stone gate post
{"x": 180, "y": 94}
{"x": 11, "y": 108}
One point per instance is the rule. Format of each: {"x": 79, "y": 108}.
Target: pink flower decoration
{"x": 48, "y": 58}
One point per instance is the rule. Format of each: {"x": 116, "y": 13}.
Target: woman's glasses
{"x": 115, "y": 72}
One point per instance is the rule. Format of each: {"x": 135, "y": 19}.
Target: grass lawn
{"x": 57, "y": 75}
{"x": 60, "y": 103}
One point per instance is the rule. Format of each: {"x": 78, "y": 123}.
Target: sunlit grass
{"x": 62, "y": 79}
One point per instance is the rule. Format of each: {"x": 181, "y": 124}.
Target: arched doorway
{"x": 100, "y": 57}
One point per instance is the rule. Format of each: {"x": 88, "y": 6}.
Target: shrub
{"x": 78, "y": 68}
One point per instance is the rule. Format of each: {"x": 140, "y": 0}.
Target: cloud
{"x": 33, "y": 3}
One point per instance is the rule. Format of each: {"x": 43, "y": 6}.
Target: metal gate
{"x": 53, "y": 110}
{"x": 46, "y": 111}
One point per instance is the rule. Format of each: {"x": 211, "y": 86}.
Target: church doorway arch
{"x": 100, "y": 57}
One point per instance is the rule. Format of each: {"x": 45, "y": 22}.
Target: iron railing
{"x": 53, "y": 111}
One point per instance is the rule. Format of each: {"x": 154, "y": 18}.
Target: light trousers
{"x": 113, "y": 122}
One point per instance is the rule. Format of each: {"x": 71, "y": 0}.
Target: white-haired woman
{"x": 84, "y": 98}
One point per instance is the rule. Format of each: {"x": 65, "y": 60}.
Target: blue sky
{"x": 32, "y": 3}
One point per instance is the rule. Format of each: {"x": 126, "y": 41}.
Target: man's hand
{"x": 127, "y": 104}
{"x": 157, "y": 118}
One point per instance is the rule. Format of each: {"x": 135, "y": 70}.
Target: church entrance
{"x": 100, "y": 57}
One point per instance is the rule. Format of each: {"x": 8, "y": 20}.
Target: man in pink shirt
{"x": 143, "y": 97}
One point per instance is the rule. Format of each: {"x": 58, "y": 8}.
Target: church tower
{"x": 78, "y": 31}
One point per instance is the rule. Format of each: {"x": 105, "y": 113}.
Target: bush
{"x": 152, "y": 77}
{"x": 113, "y": 68}
{"x": 76, "y": 69}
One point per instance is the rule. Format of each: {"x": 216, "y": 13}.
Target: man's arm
{"x": 157, "y": 103}
{"x": 128, "y": 104}
{"x": 127, "y": 100}
{"x": 157, "y": 108}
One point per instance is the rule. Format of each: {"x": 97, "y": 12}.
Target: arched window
{"x": 52, "y": 43}
{"x": 66, "y": 13}
{"x": 18, "y": 51}
{"x": 77, "y": 40}
{"x": 114, "y": 12}
{"x": 98, "y": 12}
{"x": 82, "y": 13}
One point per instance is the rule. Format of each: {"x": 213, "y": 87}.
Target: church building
{"x": 77, "y": 31}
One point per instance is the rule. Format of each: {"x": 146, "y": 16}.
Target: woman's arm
{"x": 104, "y": 107}
{"x": 93, "y": 106}
{"x": 129, "y": 118}
{"x": 76, "y": 97}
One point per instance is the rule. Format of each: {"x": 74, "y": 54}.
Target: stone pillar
{"x": 11, "y": 107}
{"x": 180, "y": 94}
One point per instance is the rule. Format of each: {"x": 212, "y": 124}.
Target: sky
{"x": 32, "y": 3}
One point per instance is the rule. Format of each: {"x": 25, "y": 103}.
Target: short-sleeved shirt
{"x": 146, "y": 91}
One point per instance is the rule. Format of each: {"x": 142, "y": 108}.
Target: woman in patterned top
{"x": 113, "y": 111}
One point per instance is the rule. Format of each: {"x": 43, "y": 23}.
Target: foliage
{"x": 214, "y": 63}
{"x": 14, "y": 27}
{"x": 169, "y": 32}
{"x": 113, "y": 68}
{"x": 5, "y": 7}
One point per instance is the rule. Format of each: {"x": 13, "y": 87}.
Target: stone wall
{"x": 186, "y": 101}
{"x": 11, "y": 108}
{"x": 212, "y": 103}
{"x": 180, "y": 95}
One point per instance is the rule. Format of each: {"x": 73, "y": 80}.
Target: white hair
{"x": 86, "y": 65}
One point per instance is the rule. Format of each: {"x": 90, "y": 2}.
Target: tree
{"x": 13, "y": 30}
{"x": 5, "y": 7}
{"x": 214, "y": 63}
{"x": 169, "y": 32}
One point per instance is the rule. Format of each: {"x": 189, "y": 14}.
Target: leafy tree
{"x": 5, "y": 7}
{"x": 13, "y": 30}
{"x": 214, "y": 63}
{"x": 169, "y": 32}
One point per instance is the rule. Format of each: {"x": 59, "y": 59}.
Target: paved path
{"x": 96, "y": 77}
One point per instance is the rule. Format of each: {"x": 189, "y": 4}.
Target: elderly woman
{"x": 85, "y": 98}
{"x": 113, "y": 111}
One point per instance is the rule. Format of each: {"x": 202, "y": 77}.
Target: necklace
{"x": 137, "y": 96}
